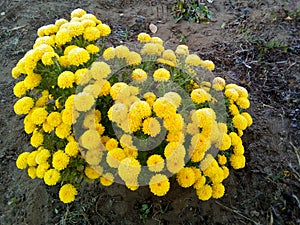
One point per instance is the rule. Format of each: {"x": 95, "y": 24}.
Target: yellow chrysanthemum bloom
{"x": 47, "y": 127}
{"x": 152, "y": 49}
{"x": 78, "y": 56}
{"x": 173, "y": 97}
{"x": 88, "y": 22}
{"x": 174, "y": 122}
{"x": 60, "y": 22}
{"x": 243, "y": 102}
{"x": 66, "y": 79}
{"x": 100, "y": 70}
{"x": 248, "y": 118}
{"x": 164, "y": 108}
{"x": 78, "y": 13}
{"x": 129, "y": 169}
{"x": 111, "y": 144}
{"x": 51, "y": 177}
{"x": 31, "y": 171}
{"x": 93, "y": 157}
{"x": 72, "y": 149}
{"x": 233, "y": 109}
{"x": 75, "y": 28}
{"x": 239, "y": 149}
{"x": 186, "y": 177}
{"x": 235, "y": 139}
{"x": 143, "y": 37}
{"x": 41, "y": 169}
{"x": 121, "y": 51}
{"x": 20, "y": 89}
{"x": 237, "y": 161}
{"x": 231, "y": 93}
{"x": 131, "y": 152}
{"x": 204, "y": 193}
{"x": 139, "y": 75}
{"x": 91, "y": 173}
{"x": 159, "y": 184}
{"x": 133, "y": 59}
{"x": 193, "y": 60}
{"x": 243, "y": 93}
{"x": 38, "y": 115}
{"x": 91, "y": 33}
{"x": 104, "y": 30}
{"x": 60, "y": 160}
{"x": 114, "y": 157}
{"x": 204, "y": 117}
{"x": 82, "y": 76}
{"x": 92, "y": 49}
{"x": 224, "y": 142}
{"x": 31, "y": 158}
{"x": 150, "y": 97}
{"x": 42, "y": 155}
{"x": 107, "y": 179}
{"x": 199, "y": 96}
{"x": 239, "y": 122}
{"x": 218, "y": 190}
{"x": 200, "y": 182}
{"x": 117, "y": 113}
{"x": 155, "y": 163}
{"x": 22, "y": 160}
{"x": 139, "y": 110}
{"x": 49, "y": 57}
{"x": 218, "y": 83}
{"x": 23, "y": 105}
{"x": 62, "y": 37}
{"x": 32, "y": 80}
{"x": 63, "y": 130}
{"x": 109, "y": 53}
{"x": 63, "y": 61}
{"x": 222, "y": 159}
{"x": 36, "y": 139}
{"x": 151, "y": 126}
{"x": 207, "y": 64}
{"x": 67, "y": 193}
{"x": 90, "y": 139}
{"x": 169, "y": 55}
{"x": 182, "y": 50}
{"x": 116, "y": 89}
{"x": 54, "y": 119}
{"x": 166, "y": 62}
{"x": 225, "y": 172}
{"x": 161, "y": 75}
{"x": 175, "y": 136}
{"x": 83, "y": 101}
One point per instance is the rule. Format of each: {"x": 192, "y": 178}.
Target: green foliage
{"x": 192, "y": 11}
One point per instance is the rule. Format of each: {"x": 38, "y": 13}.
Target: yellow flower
{"x": 116, "y": 89}
{"x": 133, "y": 59}
{"x": 74, "y": 28}
{"x": 204, "y": 117}
{"x": 31, "y": 172}
{"x": 175, "y": 136}
{"x": 139, "y": 110}
{"x": 155, "y": 163}
{"x": 22, "y": 160}
{"x": 86, "y": 22}
{"x": 49, "y": 57}
{"x": 218, "y": 190}
{"x": 114, "y": 157}
{"x": 69, "y": 48}
{"x": 243, "y": 102}
{"x": 67, "y": 193}
{"x": 161, "y": 75}
{"x": 78, "y": 13}
{"x": 60, "y": 160}
{"x": 36, "y": 139}
{"x": 186, "y": 177}
{"x": 20, "y": 89}
{"x": 237, "y": 161}
{"x": 207, "y": 64}
{"x": 91, "y": 33}
{"x": 169, "y": 55}
{"x": 222, "y": 159}
{"x": 174, "y": 122}
{"x": 93, "y": 157}
{"x": 239, "y": 122}
{"x": 41, "y": 169}
{"x": 100, "y": 70}
{"x": 63, "y": 130}
{"x": 243, "y": 93}
{"x": 63, "y": 61}
{"x": 174, "y": 98}
{"x": 51, "y": 177}
{"x": 150, "y": 97}
{"x": 111, "y": 144}
{"x": 248, "y": 118}
{"x": 159, "y": 184}
{"x": 231, "y": 93}
{"x": 90, "y": 139}
{"x": 62, "y": 37}
{"x": 193, "y": 60}
{"x": 107, "y": 179}
{"x": 239, "y": 149}
{"x": 31, "y": 158}
{"x": 182, "y": 50}
{"x": 121, "y": 51}
{"x": 54, "y": 119}
{"x": 23, "y": 105}
{"x": 104, "y": 29}
{"x": 129, "y": 169}
{"x": 143, "y": 37}
{"x": 151, "y": 126}
{"x": 32, "y": 80}
{"x": 78, "y": 56}
{"x": 235, "y": 139}
{"x": 82, "y": 76}
{"x": 38, "y": 115}
{"x": 152, "y": 49}
{"x": 69, "y": 116}
{"x": 199, "y": 96}
{"x": 93, "y": 174}
{"x": 233, "y": 109}
{"x": 224, "y": 142}
{"x": 92, "y": 49}
{"x": 83, "y": 101}
{"x": 117, "y": 113}
{"x": 109, "y": 53}
{"x": 218, "y": 83}
{"x": 66, "y": 79}
{"x": 164, "y": 108}
{"x": 72, "y": 148}
{"x": 60, "y": 22}
{"x": 200, "y": 182}
{"x": 166, "y": 62}
{"x": 204, "y": 193}
{"x": 42, "y": 155}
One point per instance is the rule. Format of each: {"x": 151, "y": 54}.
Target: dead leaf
{"x": 153, "y": 28}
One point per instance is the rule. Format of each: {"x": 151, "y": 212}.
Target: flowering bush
{"x": 132, "y": 117}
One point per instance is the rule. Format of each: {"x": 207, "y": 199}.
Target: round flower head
{"x": 104, "y": 30}
{"x": 78, "y": 56}
{"x": 199, "y": 96}
{"x": 49, "y": 57}
{"x": 100, "y": 70}
{"x": 193, "y": 60}
{"x": 204, "y": 193}
{"x": 174, "y": 123}
{"x": 60, "y": 160}
{"x": 151, "y": 126}
{"x": 248, "y": 118}
{"x": 243, "y": 102}
{"x": 20, "y": 89}
{"x": 143, "y": 37}
{"x": 109, "y": 53}
{"x": 23, "y": 105}
{"x": 169, "y": 55}
{"x": 218, "y": 83}
{"x": 67, "y": 193}
{"x": 218, "y": 190}
{"x": 129, "y": 169}
{"x": 92, "y": 173}
{"x": 207, "y": 64}
{"x": 90, "y": 139}
{"x": 93, "y": 157}
{"x": 139, "y": 75}
{"x": 107, "y": 179}
{"x": 92, "y": 49}
{"x": 155, "y": 163}
{"x": 139, "y": 109}
{"x": 114, "y": 157}
{"x": 182, "y": 50}
{"x": 161, "y": 75}
{"x": 38, "y": 115}
{"x": 239, "y": 122}
{"x": 51, "y": 177}
{"x": 32, "y": 80}
{"x": 186, "y": 177}
{"x": 62, "y": 37}
{"x": 36, "y": 139}
{"x": 116, "y": 89}
{"x": 83, "y": 101}
{"x": 78, "y": 13}
{"x": 159, "y": 184}
{"x": 121, "y": 51}
{"x": 163, "y": 107}
{"x": 231, "y": 93}
{"x": 91, "y": 33}
{"x": 133, "y": 59}
{"x": 72, "y": 148}
{"x": 22, "y": 160}
{"x": 174, "y": 98}
{"x": 66, "y": 79}
{"x": 237, "y": 161}
{"x": 54, "y": 119}
{"x": 152, "y": 49}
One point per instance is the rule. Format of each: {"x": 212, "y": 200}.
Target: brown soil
{"x": 251, "y": 43}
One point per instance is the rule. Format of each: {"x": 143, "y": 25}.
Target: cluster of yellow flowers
{"x": 131, "y": 117}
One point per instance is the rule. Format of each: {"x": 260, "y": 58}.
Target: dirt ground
{"x": 253, "y": 43}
